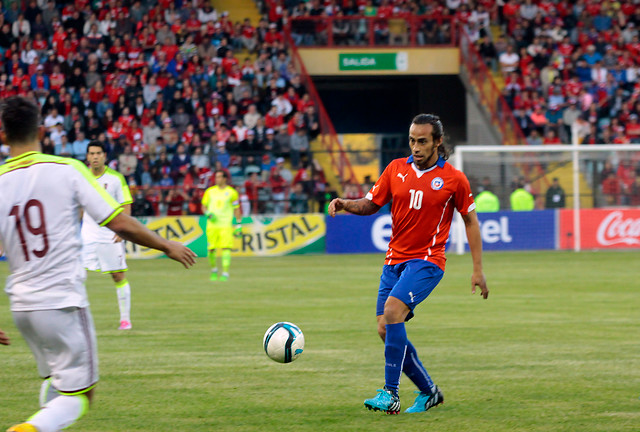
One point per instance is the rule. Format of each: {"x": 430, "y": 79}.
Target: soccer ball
{"x": 283, "y": 342}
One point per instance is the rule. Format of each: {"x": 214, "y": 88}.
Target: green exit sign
{"x": 374, "y": 61}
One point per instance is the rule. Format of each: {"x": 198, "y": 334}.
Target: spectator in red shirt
{"x": 170, "y": 49}
{"x": 252, "y": 187}
{"x": 279, "y": 188}
{"x": 273, "y": 120}
{"x": 634, "y": 192}
{"x": 611, "y": 189}
{"x": 273, "y": 36}
{"x": 551, "y": 138}
{"x": 633, "y": 129}
{"x": 248, "y": 37}
{"x": 174, "y": 201}
{"x": 229, "y": 61}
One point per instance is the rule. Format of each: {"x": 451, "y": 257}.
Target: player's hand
{"x": 4, "y": 339}
{"x": 478, "y": 280}
{"x": 335, "y": 205}
{"x": 237, "y": 232}
{"x": 210, "y": 216}
{"x": 179, "y": 252}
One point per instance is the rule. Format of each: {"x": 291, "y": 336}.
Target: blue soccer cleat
{"x": 425, "y": 401}
{"x": 385, "y": 401}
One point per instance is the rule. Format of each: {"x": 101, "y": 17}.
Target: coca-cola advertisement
{"x": 602, "y": 229}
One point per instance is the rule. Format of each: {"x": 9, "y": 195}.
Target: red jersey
{"x": 170, "y": 51}
{"x": 174, "y": 207}
{"x": 39, "y": 44}
{"x": 422, "y": 208}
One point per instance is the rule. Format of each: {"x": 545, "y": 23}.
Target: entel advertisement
{"x": 602, "y": 229}
{"x": 535, "y": 230}
{"x": 261, "y": 235}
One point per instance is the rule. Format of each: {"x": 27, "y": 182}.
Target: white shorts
{"x": 63, "y": 341}
{"x": 104, "y": 257}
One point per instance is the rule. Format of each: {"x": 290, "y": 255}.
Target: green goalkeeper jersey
{"x": 219, "y": 204}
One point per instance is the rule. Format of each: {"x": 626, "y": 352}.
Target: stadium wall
{"x": 276, "y": 235}
{"x": 261, "y": 235}
{"x": 502, "y": 231}
{"x": 382, "y": 62}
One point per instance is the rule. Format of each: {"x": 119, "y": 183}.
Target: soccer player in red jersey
{"x": 424, "y": 190}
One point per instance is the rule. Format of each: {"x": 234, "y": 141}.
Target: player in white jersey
{"x": 103, "y": 250}
{"x": 40, "y": 202}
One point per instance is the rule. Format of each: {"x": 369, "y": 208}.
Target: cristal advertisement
{"x": 261, "y": 235}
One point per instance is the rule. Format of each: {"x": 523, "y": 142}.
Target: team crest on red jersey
{"x": 437, "y": 183}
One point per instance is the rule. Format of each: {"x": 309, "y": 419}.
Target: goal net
{"x": 592, "y": 193}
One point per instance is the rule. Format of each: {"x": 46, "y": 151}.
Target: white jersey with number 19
{"x": 40, "y": 207}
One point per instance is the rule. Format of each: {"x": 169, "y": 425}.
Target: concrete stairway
{"x": 238, "y": 9}
{"x": 564, "y": 173}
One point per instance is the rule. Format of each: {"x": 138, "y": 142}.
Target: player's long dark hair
{"x": 20, "y": 119}
{"x": 438, "y": 131}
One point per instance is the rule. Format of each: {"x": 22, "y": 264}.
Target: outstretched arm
{"x": 475, "y": 245}
{"x": 130, "y": 229}
{"x": 237, "y": 230}
{"x": 126, "y": 209}
{"x": 361, "y": 207}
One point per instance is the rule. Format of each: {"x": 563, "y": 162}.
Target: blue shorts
{"x": 410, "y": 282}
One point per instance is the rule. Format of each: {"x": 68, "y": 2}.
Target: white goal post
{"x": 579, "y": 169}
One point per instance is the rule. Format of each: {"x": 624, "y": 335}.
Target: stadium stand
{"x": 177, "y": 89}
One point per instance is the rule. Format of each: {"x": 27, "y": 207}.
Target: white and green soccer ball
{"x": 283, "y": 342}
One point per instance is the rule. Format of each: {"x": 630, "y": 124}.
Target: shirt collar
{"x": 23, "y": 155}
{"x": 440, "y": 161}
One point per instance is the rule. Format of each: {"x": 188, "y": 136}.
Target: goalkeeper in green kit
{"x": 221, "y": 206}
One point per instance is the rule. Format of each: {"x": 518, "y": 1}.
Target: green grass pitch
{"x": 556, "y": 347}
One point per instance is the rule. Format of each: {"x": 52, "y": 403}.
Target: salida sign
{"x": 602, "y": 228}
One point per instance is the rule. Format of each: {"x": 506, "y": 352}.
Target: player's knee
{"x": 117, "y": 277}
{"x": 89, "y": 395}
{"x": 395, "y": 312}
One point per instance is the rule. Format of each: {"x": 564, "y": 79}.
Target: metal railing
{"x": 394, "y": 31}
{"x": 490, "y": 97}
{"x": 328, "y": 137}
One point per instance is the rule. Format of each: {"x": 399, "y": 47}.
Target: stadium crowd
{"x": 571, "y": 75}
{"x": 174, "y": 90}
{"x": 177, "y": 89}
{"x": 570, "y": 68}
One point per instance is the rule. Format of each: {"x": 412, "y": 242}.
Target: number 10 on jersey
{"x": 415, "y": 202}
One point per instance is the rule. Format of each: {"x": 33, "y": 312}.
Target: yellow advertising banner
{"x": 264, "y": 235}
{"x": 381, "y": 61}
{"x": 183, "y": 229}
{"x": 282, "y": 235}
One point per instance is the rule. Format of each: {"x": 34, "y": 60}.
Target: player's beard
{"x": 428, "y": 158}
